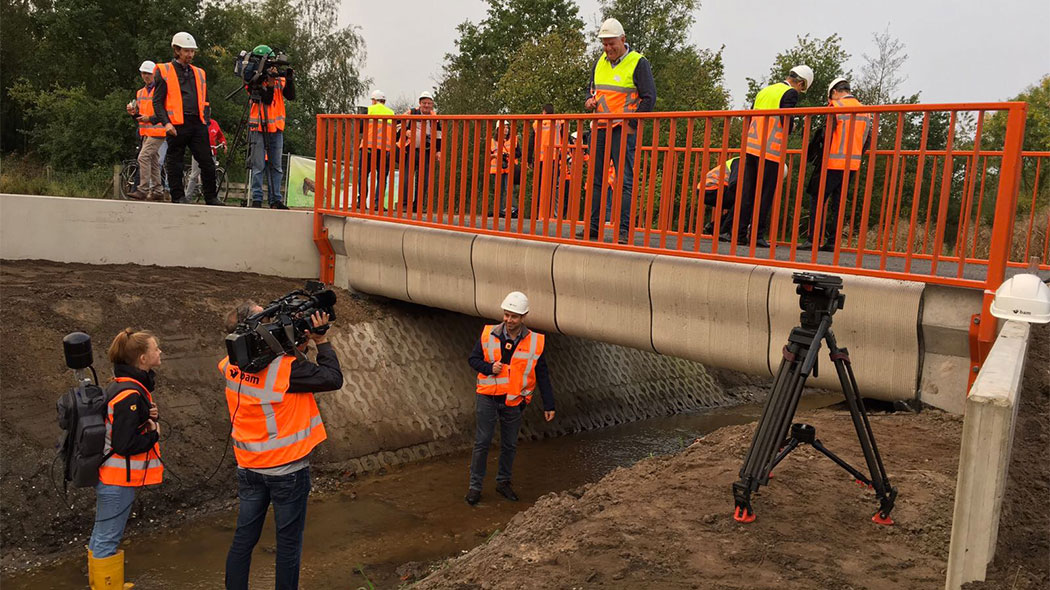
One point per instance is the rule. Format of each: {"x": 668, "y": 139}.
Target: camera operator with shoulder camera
{"x": 276, "y": 424}
{"x": 266, "y": 125}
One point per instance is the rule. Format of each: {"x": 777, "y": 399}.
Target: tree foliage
{"x": 880, "y": 77}
{"x": 826, "y": 57}
{"x": 553, "y": 69}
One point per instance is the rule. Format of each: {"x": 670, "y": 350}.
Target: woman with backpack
{"x": 131, "y": 456}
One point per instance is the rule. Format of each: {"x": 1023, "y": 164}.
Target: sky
{"x": 958, "y": 51}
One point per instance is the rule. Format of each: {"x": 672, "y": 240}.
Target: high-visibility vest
{"x": 614, "y": 89}
{"x": 140, "y": 469}
{"x": 546, "y": 134}
{"x": 271, "y": 427}
{"x": 173, "y": 99}
{"x": 517, "y": 380}
{"x": 856, "y": 132}
{"x": 500, "y": 159}
{"x": 768, "y": 131}
{"x": 719, "y": 175}
{"x": 379, "y": 134}
{"x": 144, "y": 100}
{"x": 274, "y": 111}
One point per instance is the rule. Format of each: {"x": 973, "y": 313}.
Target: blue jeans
{"x": 112, "y": 508}
{"x": 503, "y": 193}
{"x": 266, "y": 163}
{"x": 289, "y": 494}
{"x": 600, "y": 174}
{"x": 489, "y": 410}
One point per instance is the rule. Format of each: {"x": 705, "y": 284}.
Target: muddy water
{"x": 369, "y": 530}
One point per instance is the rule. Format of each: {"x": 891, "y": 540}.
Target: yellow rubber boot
{"x": 107, "y": 573}
{"x": 91, "y": 566}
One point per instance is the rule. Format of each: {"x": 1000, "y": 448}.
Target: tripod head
{"x": 820, "y": 296}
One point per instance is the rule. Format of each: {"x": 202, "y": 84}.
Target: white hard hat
{"x": 835, "y": 83}
{"x": 183, "y": 40}
{"x": 147, "y": 67}
{"x": 426, "y": 94}
{"x": 378, "y": 95}
{"x": 1024, "y": 298}
{"x": 516, "y": 302}
{"x": 804, "y": 72}
{"x": 610, "y": 28}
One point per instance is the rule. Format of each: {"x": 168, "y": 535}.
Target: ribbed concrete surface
{"x": 375, "y": 261}
{"x": 439, "y": 268}
{"x": 502, "y": 265}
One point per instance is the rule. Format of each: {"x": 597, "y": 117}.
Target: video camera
{"x": 819, "y": 295}
{"x": 254, "y": 66}
{"x": 279, "y": 328}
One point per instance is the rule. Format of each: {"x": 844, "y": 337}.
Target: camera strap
{"x": 274, "y": 345}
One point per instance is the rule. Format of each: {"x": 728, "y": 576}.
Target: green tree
{"x": 552, "y": 69}
{"x": 484, "y": 51}
{"x": 826, "y": 57}
{"x": 880, "y": 77}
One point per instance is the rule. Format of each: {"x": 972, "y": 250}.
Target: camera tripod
{"x": 776, "y": 436}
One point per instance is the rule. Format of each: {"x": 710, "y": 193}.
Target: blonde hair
{"x": 129, "y": 345}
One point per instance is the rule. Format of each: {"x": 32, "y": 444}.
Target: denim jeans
{"x": 601, "y": 173}
{"x": 499, "y": 183}
{"x": 288, "y": 494}
{"x": 489, "y": 410}
{"x": 112, "y": 508}
{"x": 266, "y": 163}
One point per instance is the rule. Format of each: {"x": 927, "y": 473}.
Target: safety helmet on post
{"x": 183, "y": 40}
{"x": 378, "y": 95}
{"x": 836, "y": 82}
{"x": 610, "y": 28}
{"x": 806, "y": 73}
{"x": 147, "y": 67}
{"x": 516, "y": 302}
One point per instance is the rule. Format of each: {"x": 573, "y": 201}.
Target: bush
{"x": 28, "y": 176}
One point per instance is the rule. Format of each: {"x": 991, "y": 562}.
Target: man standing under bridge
{"x": 510, "y": 364}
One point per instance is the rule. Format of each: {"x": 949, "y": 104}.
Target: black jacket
{"x": 543, "y": 379}
{"x": 131, "y": 413}
{"x": 325, "y": 375}
{"x": 188, "y": 87}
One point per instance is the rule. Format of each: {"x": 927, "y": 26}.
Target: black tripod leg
{"x": 790, "y": 446}
{"x": 857, "y": 475}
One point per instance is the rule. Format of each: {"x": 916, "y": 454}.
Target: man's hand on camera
{"x": 318, "y": 319}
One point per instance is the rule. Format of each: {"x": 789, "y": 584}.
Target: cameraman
{"x": 266, "y": 127}
{"x": 276, "y": 424}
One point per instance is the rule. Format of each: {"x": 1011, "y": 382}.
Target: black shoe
{"x": 278, "y": 205}
{"x": 761, "y": 243}
{"x": 182, "y": 201}
{"x": 827, "y": 246}
{"x": 503, "y": 488}
{"x": 215, "y": 203}
{"x": 473, "y": 496}
{"x": 725, "y": 237}
{"x": 622, "y": 239}
{"x": 709, "y": 227}
{"x": 807, "y": 245}
{"x": 580, "y": 233}
{"x": 513, "y": 213}
{"x": 256, "y": 204}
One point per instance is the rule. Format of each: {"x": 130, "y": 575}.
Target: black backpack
{"x": 82, "y": 415}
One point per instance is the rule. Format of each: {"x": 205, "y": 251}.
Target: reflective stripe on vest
{"x": 145, "y": 468}
{"x": 768, "y": 131}
{"x": 173, "y": 98}
{"x": 614, "y": 89}
{"x": 518, "y": 378}
{"x": 545, "y": 133}
{"x": 271, "y": 426}
{"x": 275, "y": 114}
{"x": 144, "y": 100}
{"x": 719, "y": 175}
{"x": 855, "y": 127}
{"x": 379, "y": 134}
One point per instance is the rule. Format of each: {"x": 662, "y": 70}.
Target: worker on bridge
{"x": 152, "y": 133}
{"x": 766, "y": 147}
{"x": 377, "y": 144}
{"x": 510, "y": 364}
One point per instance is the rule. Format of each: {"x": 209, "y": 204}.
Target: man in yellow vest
{"x": 151, "y": 132}
{"x": 276, "y": 423}
{"x": 377, "y": 146}
{"x": 849, "y": 135}
{"x": 508, "y": 358}
{"x": 622, "y": 82}
{"x": 766, "y": 147}
{"x": 180, "y": 102}
{"x": 266, "y": 131}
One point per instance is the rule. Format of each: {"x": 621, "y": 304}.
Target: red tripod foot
{"x": 744, "y": 515}
{"x": 880, "y": 519}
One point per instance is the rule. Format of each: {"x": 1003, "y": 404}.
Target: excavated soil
{"x": 666, "y": 522}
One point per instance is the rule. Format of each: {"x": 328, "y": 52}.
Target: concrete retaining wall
{"x": 100, "y": 231}
{"x": 984, "y": 457}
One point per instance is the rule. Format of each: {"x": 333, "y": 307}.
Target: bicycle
{"x": 129, "y": 177}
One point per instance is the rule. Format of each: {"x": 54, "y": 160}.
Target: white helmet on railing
{"x": 183, "y": 40}
{"x": 516, "y": 302}
{"x": 806, "y": 73}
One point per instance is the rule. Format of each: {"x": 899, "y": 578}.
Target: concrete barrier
{"x": 375, "y": 260}
{"x": 946, "y": 313}
{"x": 879, "y": 325}
{"x": 984, "y": 456}
{"x": 439, "y": 268}
{"x": 604, "y": 295}
{"x": 502, "y": 265}
{"x": 711, "y": 312}
{"x": 101, "y": 231}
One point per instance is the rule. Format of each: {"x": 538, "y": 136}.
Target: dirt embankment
{"x": 43, "y": 301}
{"x": 666, "y": 522}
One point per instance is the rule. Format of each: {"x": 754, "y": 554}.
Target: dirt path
{"x": 666, "y": 522}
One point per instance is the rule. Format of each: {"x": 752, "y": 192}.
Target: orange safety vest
{"x": 275, "y": 113}
{"x": 144, "y": 100}
{"x": 140, "y": 469}
{"x": 379, "y": 135}
{"x": 546, "y": 133}
{"x": 500, "y": 159}
{"x": 857, "y": 130}
{"x": 719, "y": 175}
{"x": 173, "y": 99}
{"x": 768, "y": 131}
{"x": 517, "y": 380}
{"x": 271, "y": 427}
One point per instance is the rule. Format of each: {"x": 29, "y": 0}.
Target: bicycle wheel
{"x": 221, "y": 183}
{"x": 128, "y": 172}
